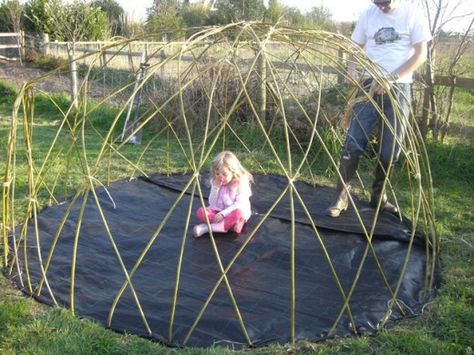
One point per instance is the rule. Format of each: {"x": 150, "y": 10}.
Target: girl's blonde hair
{"x": 228, "y": 160}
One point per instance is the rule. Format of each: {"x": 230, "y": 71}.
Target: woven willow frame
{"x": 264, "y": 75}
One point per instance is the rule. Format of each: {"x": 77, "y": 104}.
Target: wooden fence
{"x": 128, "y": 58}
{"x": 466, "y": 83}
{"x": 130, "y": 55}
{"x": 12, "y": 46}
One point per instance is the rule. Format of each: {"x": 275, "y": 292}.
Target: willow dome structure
{"x": 103, "y": 227}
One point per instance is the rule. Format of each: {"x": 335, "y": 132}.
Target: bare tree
{"x": 75, "y": 22}
{"x": 440, "y": 14}
{"x": 14, "y": 11}
{"x": 466, "y": 40}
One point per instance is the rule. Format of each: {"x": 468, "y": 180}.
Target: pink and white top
{"x": 228, "y": 198}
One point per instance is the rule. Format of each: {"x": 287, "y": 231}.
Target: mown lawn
{"x": 446, "y": 327}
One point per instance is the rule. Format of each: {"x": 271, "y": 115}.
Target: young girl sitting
{"x": 229, "y": 204}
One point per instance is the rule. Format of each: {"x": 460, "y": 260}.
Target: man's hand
{"x": 381, "y": 89}
{"x": 384, "y": 88}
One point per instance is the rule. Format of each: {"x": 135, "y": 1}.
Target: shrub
{"x": 31, "y": 56}
{"x": 50, "y": 62}
{"x": 7, "y": 92}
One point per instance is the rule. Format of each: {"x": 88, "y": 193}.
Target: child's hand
{"x": 217, "y": 183}
{"x": 218, "y": 218}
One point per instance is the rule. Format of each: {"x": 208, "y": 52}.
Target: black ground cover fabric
{"x": 259, "y": 279}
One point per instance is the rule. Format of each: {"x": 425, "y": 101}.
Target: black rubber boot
{"x": 377, "y": 188}
{"x": 347, "y": 169}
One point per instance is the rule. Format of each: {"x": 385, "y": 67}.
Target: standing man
{"x": 394, "y": 34}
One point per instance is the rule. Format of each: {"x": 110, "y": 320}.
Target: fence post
{"x": 44, "y": 43}
{"x": 130, "y": 57}
{"x": 99, "y": 48}
{"x": 341, "y": 59}
{"x": 262, "y": 88}
{"x": 21, "y": 41}
{"x": 71, "y": 49}
{"x": 162, "y": 54}
{"x": 104, "y": 56}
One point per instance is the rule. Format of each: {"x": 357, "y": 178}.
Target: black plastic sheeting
{"x": 260, "y": 279}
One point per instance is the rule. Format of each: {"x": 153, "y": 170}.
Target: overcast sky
{"x": 342, "y": 10}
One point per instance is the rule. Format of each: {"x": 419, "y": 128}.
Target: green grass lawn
{"x": 446, "y": 327}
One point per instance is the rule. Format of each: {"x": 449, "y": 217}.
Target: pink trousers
{"x": 233, "y": 221}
